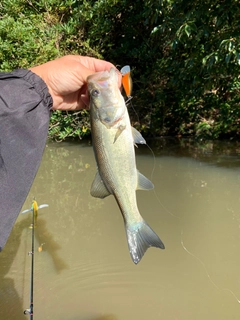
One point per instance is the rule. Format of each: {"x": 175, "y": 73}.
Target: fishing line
{"x": 153, "y": 169}
{"x": 156, "y": 195}
{"x": 159, "y": 201}
{"x": 127, "y": 85}
{"x": 207, "y": 273}
{"x": 183, "y": 246}
{"x": 182, "y": 243}
{"x": 129, "y": 102}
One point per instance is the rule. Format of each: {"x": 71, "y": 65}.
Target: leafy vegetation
{"x": 185, "y": 57}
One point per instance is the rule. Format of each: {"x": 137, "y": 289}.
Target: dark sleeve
{"x": 25, "y": 105}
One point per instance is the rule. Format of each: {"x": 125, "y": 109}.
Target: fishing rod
{"x": 34, "y": 209}
{"x": 30, "y": 310}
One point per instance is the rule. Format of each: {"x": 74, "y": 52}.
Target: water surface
{"x": 84, "y": 271}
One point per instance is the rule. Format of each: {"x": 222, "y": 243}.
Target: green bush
{"x": 185, "y": 57}
{"x": 33, "y": 32}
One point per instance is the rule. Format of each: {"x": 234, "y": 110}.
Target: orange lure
{"x": 126, "y": 81}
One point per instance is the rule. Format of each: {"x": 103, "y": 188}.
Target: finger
{"x": 92, "y": 65}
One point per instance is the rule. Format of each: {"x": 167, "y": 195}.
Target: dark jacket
{"x": 25, "y": 105}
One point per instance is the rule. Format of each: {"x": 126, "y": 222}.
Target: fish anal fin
{"x": 98, "y": 188}
{"x": 137, "y": 137}
{"x": 141, "y": 237}
{"x": 144, "y": 183}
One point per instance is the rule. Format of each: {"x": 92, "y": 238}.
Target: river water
{"x": 83, "y": 270}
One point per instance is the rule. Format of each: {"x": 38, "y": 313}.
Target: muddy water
{"x": 84, "y": 270}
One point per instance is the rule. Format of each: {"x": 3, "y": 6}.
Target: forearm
{"x": 25, "y": 105}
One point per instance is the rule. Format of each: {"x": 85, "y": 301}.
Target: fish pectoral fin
{"x": 140, "y": 237}
{"x": 98, "y": 188}
{"x": 119, "y": 131}
{"x": 144, "y": 183}
{"x": 137, "y": 137}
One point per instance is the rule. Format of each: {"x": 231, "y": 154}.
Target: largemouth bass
{"x": 113, "y": 144}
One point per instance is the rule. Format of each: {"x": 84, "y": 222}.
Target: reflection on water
{"x": 84, "y": 270}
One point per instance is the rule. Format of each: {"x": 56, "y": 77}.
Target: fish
{"x": 113, "y": 140}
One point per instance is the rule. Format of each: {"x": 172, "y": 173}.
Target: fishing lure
{"x": 40, "y": 248}
{"x": 34, "y": 208}
{"x": 127, "y": 81}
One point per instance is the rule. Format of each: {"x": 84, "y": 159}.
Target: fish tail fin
{"x": 140, "y": 237}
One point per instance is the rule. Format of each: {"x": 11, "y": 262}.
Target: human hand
{"x": 66, "y": 79}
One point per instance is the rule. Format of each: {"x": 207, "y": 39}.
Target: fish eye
{"x": 107, "y": 120}
{"x": 95, "y": 93}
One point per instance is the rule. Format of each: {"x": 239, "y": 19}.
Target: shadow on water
{"x": 219, "y": 153}
{"x": 13, "y": 304}
{"x": 9, "y": 297}
{"x": 47, "y": 243}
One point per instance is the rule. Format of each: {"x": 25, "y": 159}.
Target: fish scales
{"x": 117, "y": 169}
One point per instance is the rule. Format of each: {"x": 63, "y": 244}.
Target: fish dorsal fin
{"x": 98, "y": 188}
{"x": 137, "y": 137}
{"x": 144, "y": 183}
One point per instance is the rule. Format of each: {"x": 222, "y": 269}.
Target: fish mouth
{"x": 99, "y": 76}
{"x": 102, "y": 78}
